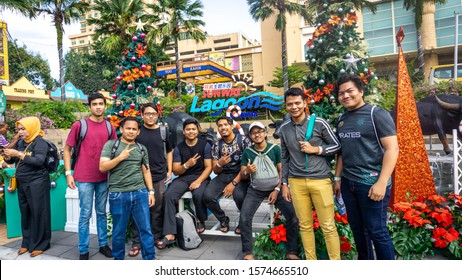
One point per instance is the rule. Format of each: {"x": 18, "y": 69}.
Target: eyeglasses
{"x": 257, "y": 132}
{"x": 150, "y": 114}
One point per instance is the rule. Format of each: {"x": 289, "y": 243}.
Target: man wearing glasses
{"x": 160, "y": 152}
{"x": 266, "y": 188}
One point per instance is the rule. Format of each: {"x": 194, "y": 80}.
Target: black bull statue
{"x": 175, "y": 124}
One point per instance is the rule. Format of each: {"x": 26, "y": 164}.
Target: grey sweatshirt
{"x": 294, "y": 160}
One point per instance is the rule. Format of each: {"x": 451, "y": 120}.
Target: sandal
{"x": 134, "y": 251}
{"x": 237, "y": 230}
{"x": 200, "y": 227}
{"x": 248, "y": 257}
{"x": 292, "y": 257}
{"x": 36, "y": 253}
{"x": 164, "y": 242}
{"x": 224, "y": 226}
{"x": 22, "y": 250}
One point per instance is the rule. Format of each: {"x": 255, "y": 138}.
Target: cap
{"x": 257, "y": 124}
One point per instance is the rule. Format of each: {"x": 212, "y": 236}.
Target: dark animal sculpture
{"x": 439, "y": 115}
{"x": 276, "y": 125}
{"x": 175, "y": 125}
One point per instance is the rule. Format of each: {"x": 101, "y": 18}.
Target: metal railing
{"x": 457, "y": 146}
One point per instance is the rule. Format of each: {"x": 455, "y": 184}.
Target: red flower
{"x": 442, "y": 216}
{"x": 345, "y": 246}
{"x": 452, "y": 235}
{"x": 439, "y": 235}
{"x": 278, "y": 234}
{"x": 436, "y": 199}
{"x": 401, "y": 206}
{"x": 276, "y": 217}
{"x": 414, "y": 219}
{"x": 341, "y": 218}
{"x": 316, "y": 224}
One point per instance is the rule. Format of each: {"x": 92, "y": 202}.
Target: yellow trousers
{"x": 305, "y": 194}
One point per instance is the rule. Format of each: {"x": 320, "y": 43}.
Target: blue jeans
{"x": 368, "y": 221}
{"x": 252, "y": 201}
{"x": 126, "y": 204}
{"x": 86, "y": 193}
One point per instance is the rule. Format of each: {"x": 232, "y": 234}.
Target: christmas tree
{"x": 334, "y": 49}
{"x": 134, "y": 82}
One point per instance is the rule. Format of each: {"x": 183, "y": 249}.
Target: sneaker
{"x": 106, "y": 251}
{"x": 84, "y": 256}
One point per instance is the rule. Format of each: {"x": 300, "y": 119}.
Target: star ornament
{"x": 351, "y": 62}
{"x": 140, "y": 25}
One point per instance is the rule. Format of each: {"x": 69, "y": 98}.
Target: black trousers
{"x": 174, "y": 192}
{"x": 34, "y": 205}
{"x": 215, "y": 191}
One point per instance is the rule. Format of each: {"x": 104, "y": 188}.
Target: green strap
{"x": 309, "y": 133}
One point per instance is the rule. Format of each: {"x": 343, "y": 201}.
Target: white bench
{"x": 215, "y": 230}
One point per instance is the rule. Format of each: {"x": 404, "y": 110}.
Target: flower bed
{"x": 422, "y": 227}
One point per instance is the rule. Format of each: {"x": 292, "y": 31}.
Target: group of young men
{"x": 141, "y": 162}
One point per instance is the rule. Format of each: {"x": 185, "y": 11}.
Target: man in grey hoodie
{"x": 306, "y": 174}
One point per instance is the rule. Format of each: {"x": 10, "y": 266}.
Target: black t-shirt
{"x": 33, "y": 165}
{"x": 152, "y": 139}
{"x": 362, "y": 153}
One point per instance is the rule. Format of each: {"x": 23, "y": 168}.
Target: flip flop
{"x": 200, "y": 227}
{"x": 134, "y": 251}
{"x": 224, "y": 226}
{"x": 237, "y": 230}
{"x": 164, "y": 242}
{"x": 293, "y": 257}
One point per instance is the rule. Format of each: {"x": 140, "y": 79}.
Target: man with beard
{"x": 256, "y": 194}
{"x": 226, "y": 154}
{"x": 160, "y": 150}
{"x": 91, "y": 181}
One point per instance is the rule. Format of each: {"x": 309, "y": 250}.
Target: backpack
{"x": 187, "y": 237}
{"x": 52, "y": 158}
{"x": 266, "y": 177}
{"x": 116, "y": 146}
{"x": 82, "y": 133}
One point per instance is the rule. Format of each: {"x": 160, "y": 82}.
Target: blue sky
{"x": 220, "y": 16}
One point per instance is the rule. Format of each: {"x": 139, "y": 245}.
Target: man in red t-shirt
{"x": 91, "y": 181}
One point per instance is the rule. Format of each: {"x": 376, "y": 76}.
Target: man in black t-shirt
{"x": 192, "y": 164}
{"x": 369, "y": 153}
{"x": 160, "y": 151}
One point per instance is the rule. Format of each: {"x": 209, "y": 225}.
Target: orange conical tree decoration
{"x": 412, "y": 172}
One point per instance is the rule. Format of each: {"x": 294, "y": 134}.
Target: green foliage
{"x": 60, "y": 113}
{"x": 296, "y": 73}
{"x": 443, "y": 87}
{"x": 33, "y": 66}
{"x": 385, "y": 96}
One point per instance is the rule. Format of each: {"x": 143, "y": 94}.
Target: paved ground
{"x": 214, "y": 247}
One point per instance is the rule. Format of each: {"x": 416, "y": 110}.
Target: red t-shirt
{"x": 87, "y": 166}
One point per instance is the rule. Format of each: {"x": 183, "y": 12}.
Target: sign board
{"x": 2, "y": 102}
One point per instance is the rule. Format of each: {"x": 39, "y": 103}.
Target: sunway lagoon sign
{"x": 222, "y": 96}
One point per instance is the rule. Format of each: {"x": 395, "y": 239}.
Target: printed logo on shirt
{"x": 350, "y": 134}
{"x": 340, "y": 124}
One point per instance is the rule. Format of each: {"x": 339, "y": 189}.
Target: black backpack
{"x": 52, "y": 158}
{"x": 82, "y": 133}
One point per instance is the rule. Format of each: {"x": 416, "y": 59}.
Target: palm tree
{"x": 263, "y": 9}
{"x": 115, "y": 24}
{"x": 61, "y": 12}
{"x": 418, "y": 7}
{"x": 180, "y": 20}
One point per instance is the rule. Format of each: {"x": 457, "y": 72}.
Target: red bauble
{"x": 132, "y": 106}
{"x": 118, "y": 103}
{"x": 121, "y": 113}
{"x": 133, "y": 58}
{"x": 134, "y": 38}
{"x": 149, "y": 88}
{"x": 143, "y": 35}
{"x": 118, "y": 78}
{"x": 143, "y": 67}
{"x": 130, "y": 86}
{"x": 114, "y": 96}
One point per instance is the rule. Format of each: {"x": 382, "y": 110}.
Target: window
{"x": 204, "y": 50}
{"x": 226, "y": 47}
{"x": 186, "y": 53}
{"x": 222, "y": 40}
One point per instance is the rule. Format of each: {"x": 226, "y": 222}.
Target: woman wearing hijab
{"x": 33, "y": 185}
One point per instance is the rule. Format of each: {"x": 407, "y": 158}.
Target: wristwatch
{"x": 234, "y": 183}
{"x": 152, "y": 192}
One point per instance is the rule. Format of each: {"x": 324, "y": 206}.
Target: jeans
{"x": 157, "y": 215}
{"x": 215, "y": 190}
{"x": 86, "y": 193}
{"x": 368, "y": 221}
{"x": 252, "y": 201}
{"x": 126, "y": 204}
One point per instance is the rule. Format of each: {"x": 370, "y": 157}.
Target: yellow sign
{"x": 4, "y": 74}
